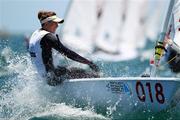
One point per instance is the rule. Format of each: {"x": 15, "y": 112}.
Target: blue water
{"x": 24, "y": 96}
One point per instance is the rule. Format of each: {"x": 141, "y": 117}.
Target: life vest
{"x": 36, "y": 51}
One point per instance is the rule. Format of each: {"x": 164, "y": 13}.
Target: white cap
{"x": 52, "y": 18}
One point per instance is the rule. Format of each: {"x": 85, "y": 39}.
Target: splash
{"x": 24, "y": 94}
{"x": 60, "y": 111}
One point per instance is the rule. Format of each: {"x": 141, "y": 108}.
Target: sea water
{"x": 25, "y": 96}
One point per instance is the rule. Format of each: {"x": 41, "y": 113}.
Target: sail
{"x": 176, "y": 23}
{"x": 156, "y": 11}
{"x": 107, "y": 29}
{"x": 133, "y": 36}
{"x": 79, "y": 24}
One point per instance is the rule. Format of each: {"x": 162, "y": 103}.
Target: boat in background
{"x": 79, "y": 24}
{"x": 103, "y": 29}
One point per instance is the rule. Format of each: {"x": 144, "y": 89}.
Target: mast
{"x": 159, "y": 48}
{"x": 167, "y": 19}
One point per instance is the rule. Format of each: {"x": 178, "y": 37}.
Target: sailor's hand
{"x": 52, "y": 79}
{"x": 94, "y": 67}
{"x": 168, "y": 40}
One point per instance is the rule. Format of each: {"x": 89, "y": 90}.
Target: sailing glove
{"x": 94, "y": 67}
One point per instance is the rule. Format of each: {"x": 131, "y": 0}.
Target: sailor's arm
{"x": 56, "y": 44}
{"x": 72, "y": 55}
{"x": 76, "y": 57}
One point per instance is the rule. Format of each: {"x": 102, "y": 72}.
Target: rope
{"x": 167, "y": 62}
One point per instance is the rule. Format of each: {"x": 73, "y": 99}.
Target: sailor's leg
{"x": 57, "y": 76}
{"x": 74, "y": 73}
{"x": 62, "y": 73}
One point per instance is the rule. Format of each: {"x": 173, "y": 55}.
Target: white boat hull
{"x": 128, "y": 94}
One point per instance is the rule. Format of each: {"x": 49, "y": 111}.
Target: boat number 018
{"x": 158, "y": 92}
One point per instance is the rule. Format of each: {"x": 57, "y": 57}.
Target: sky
{"x": 20, "y": 16}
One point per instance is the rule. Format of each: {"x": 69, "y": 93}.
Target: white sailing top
{"x": 36, "y": 51}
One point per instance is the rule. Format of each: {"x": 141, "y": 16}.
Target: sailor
{"x": 173, "y": 39}
{"x": 41, "y": 44}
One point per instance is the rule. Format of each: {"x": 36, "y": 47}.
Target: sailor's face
{"x": 53, "y": 26}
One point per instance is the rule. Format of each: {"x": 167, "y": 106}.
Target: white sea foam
{"x": 25, "y": 94}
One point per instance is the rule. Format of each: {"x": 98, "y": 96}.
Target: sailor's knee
{"x": 52, "y": 79}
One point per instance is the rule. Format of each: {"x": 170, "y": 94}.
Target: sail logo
{"x": 118, "y": 87}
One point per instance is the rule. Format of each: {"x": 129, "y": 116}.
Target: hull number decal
{"x": 158, "y": 88}
{"x": 118, "y": 87}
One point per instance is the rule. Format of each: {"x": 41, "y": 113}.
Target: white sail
{"x": 79, "y": 24}
{"x": 176, "y": 22}
{"x": 133, "y": 29}
{"x": 110, "y": 26}
{"x": 109, "y": 29}
{"x": 156, "y": 13}
{"x": 121, "y": 31}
